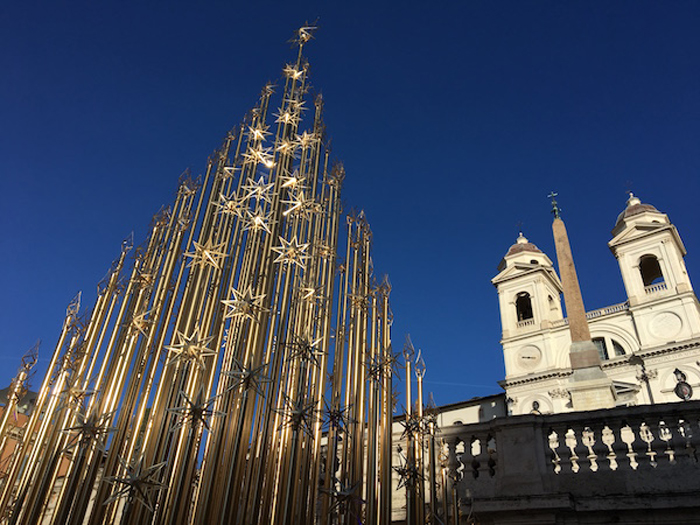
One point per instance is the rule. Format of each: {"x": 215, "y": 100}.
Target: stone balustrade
{"x": 642, "y": 461}
{"x": 655, "y": 288}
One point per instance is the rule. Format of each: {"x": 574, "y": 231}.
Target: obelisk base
{"x": 590, "y": 387}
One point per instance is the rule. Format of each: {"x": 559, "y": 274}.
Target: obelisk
{"x": 590, "y": 387}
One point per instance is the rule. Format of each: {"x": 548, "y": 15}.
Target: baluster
{"x": 608, "y": 439}
{"x": 475, "y": 451}
{"x": 571, "y": 442}
{"x": 588, "y": 439}
{"x": 553, "y": 439}
{"x": 647, "y": 436}
{"x": 628, "y": 438}
{"x": 491, "y": 451}
{"x": 666, "y": 436}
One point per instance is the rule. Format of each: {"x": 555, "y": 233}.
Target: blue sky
{"x": 453, "y": 121}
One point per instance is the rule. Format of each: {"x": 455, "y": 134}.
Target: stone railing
{"x": 655, "y": 288}
{"x": 526, "y": 322}
{"x": 600, "y": 312}
{"x": 643, "y": 458}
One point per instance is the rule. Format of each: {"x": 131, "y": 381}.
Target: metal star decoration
{"x": 344, "y": 498}
{"x": 248, "y": 378}
{"x": 259, "y": 132}
{"x": 138, "y": 482}
{"x": 192, "y": 348}
{"x": 258, "y": 190}
{"x": 244, "y": 304}
{"x": 298, "y": 414}
{"x": 408, "y": 473}
{"x": 230, "y": 205}
{"x": 337, "y": 418}
{"x": 257, "y": 221}
{"x": 90, "y": 428}
{"x": 139, "y": 323}
{"x": 291, "y": 252}
{"x": 194, "y": 412}
{"x": 207, "y": 254}
{"x": 259, "y": 154}
{"x": 305, "y": 347}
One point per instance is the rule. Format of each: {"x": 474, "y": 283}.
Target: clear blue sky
{"x": 454, "y": 121}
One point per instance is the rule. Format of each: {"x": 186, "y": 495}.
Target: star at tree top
{"x": 207, "y": 254}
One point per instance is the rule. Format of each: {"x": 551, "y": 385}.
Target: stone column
{"x": 590, "y": 387}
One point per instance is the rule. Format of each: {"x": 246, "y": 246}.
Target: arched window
{"x": 651, "y": 270}
{"x": 523, "y": 305}
{"x": 599, "y": 342}
{"x": 605, "y": 345}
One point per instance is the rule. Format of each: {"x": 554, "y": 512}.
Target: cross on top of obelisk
{"x": 556, "y": 210}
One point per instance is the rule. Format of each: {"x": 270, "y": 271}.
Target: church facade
{"x": 649, "y": 345}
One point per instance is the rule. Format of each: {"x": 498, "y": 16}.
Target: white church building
{"x": 648, "y": 345}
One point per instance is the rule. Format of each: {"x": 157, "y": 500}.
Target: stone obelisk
{"x": 590, "y": 387}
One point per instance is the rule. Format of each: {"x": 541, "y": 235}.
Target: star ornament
{"x": 297, "y": 414}
{"x": 344, "y": 498}
{"x": 139, "y": 323}
{"x": 255, "y": 154}
{"x": 92, "y": 428}
{"x": 244, "y": 304}
{"x": 207, "y": 254}
{"x": 194, "y": 413}
{"x": 257, "y": 221}
{"x": 306, "y": 348}
{"x": 248, "y": 378}
{"x": 192, "y": 348}
{"x": 137, "y": 483}
{"x": 291, "y": 252}
{"x": 230, "y": 205}
{"x": 258, "y": 190}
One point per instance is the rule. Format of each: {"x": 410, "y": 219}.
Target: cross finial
{"x": 556, "y": 210}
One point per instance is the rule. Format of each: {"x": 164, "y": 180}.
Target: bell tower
{"x": 650, "y": 253}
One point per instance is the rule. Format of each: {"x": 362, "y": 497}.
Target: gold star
{"x": 207, "y": 254}
{"x": 89, "y": 429}
{"x": 229, "y": 171}
{"x": 140, "y": 324}
{"x": 245, "y": 304}
{"x": 257, "y": 221}
{"x": 306, "y": 348}
{"x": 293, "y": 180}
{"x": 248, "y": 378}
{"x": 287, "y": 117}
{"x": 307, "y": 139}
{"x": 230, "y": 205}
{"x": 258, "y": 190}
{"x": 192, "y": 348}
{"x": 291, "y": 252}
{"x": 292, "y": 72}
{"x": 257, "y": 153}
{"x": 258, "y": 132}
